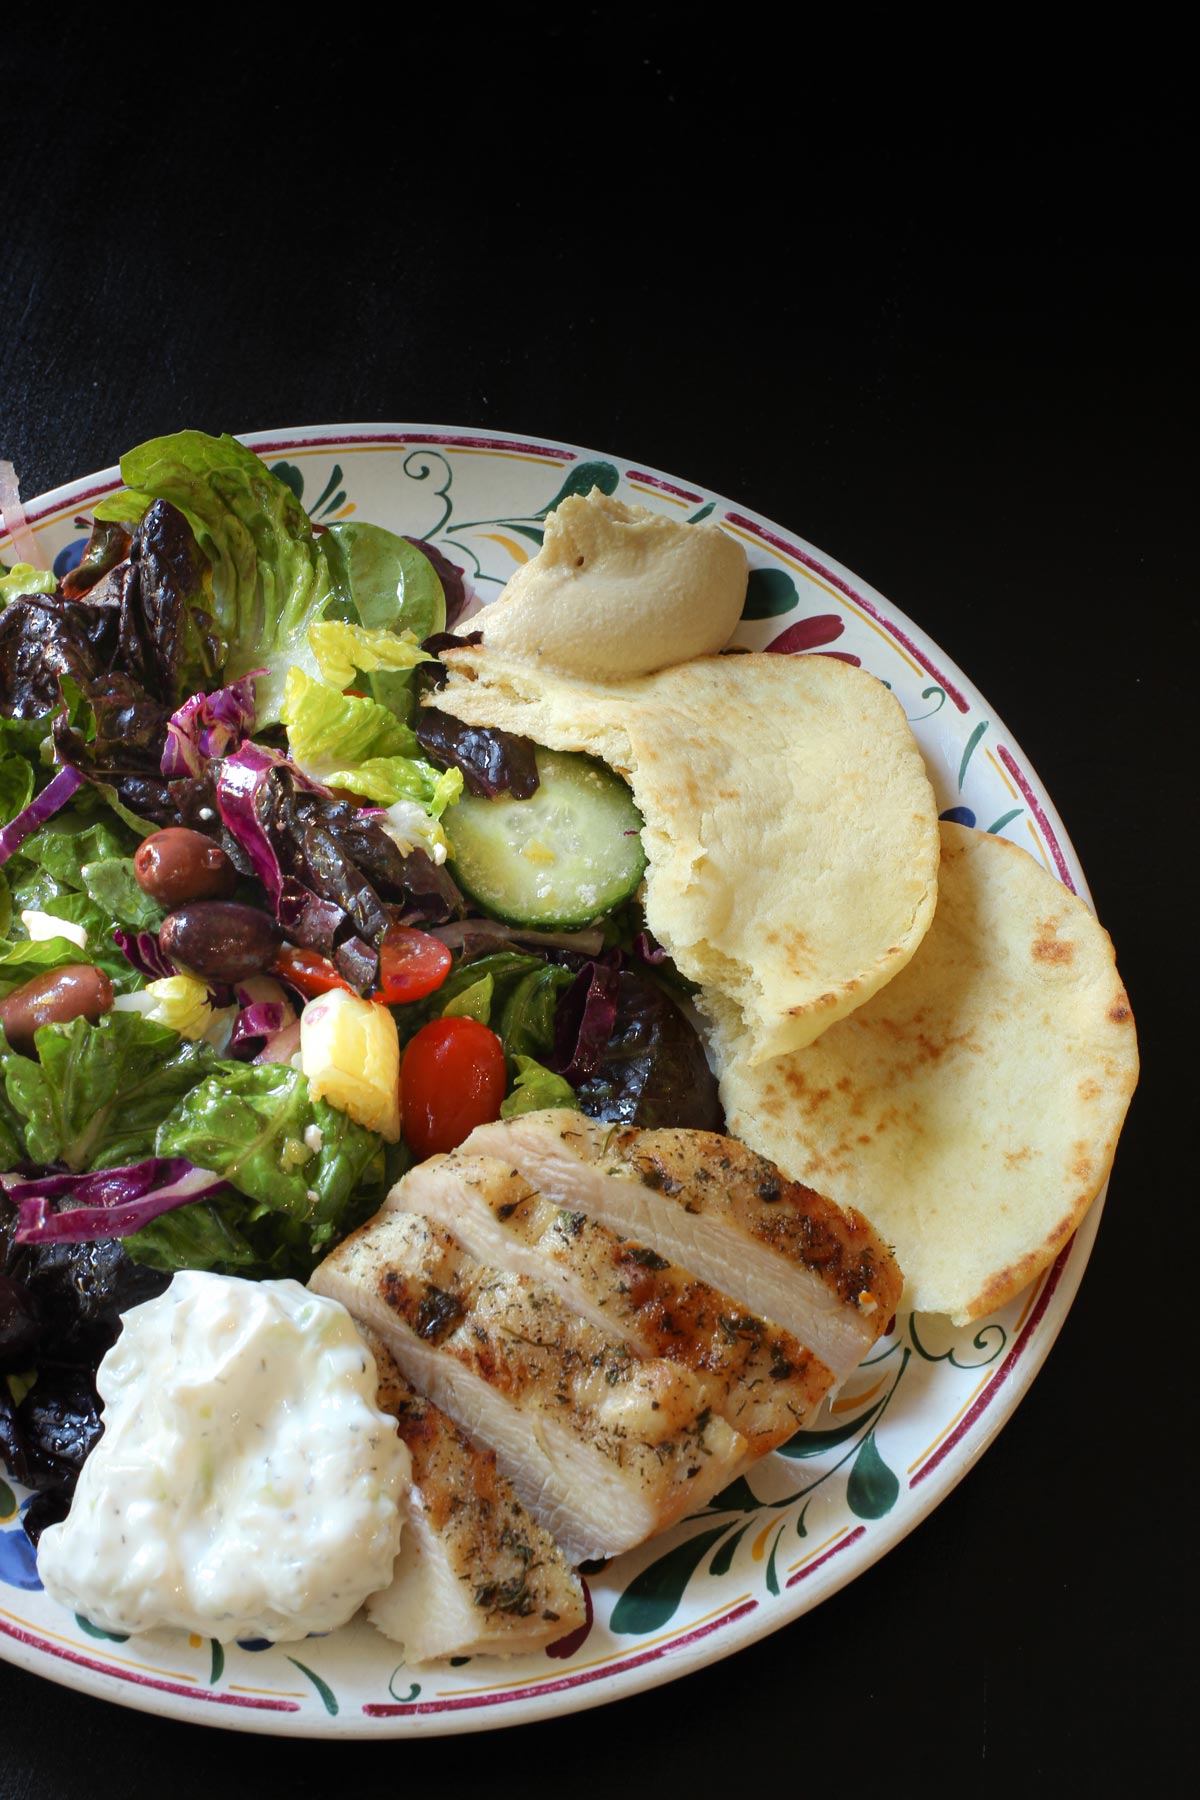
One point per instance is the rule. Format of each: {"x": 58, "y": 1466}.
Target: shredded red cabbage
{"x": 142, "y": 950}
{"x": 282, "y": 1047}
{"x": 53, "y": 796}
{"x": 241, "y": 781}
{"x": 105, "y": 1203}
{"x": 256, "y": 1025}
{"x": 208, "y": 726}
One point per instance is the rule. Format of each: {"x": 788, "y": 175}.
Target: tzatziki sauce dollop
{"x": 246, "y": 1484}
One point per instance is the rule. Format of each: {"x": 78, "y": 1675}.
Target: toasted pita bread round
{"x": 971, "y": 1109}
{"x": 790, "y": 828}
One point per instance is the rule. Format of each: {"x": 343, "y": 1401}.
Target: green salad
{"x": 272, "y": 926}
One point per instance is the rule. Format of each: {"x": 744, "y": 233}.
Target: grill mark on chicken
{"x": 764, "y": 1383}
{"x": 604, "y": 1448}
{"x": 719, "y": 1209}
{"x": 476, "y": 1574}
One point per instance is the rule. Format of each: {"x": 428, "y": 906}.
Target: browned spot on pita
{"x": 1048, "y": 947}
{"x": 1081, "y": 1168}
{"x": 1089, "y": 1089}
{"x": 823, "y": 1001}
{"x": 1014, "y": 1158}
{"x": 1006, "y": 1282}
{"x": 798, "y": 953}
{"x": 1119, "y": 1012}
{"x": 810, "y": 1100}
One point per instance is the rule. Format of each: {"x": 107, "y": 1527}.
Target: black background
{"x": 939, "y": 318}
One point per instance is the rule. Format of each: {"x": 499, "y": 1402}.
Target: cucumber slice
{"x": 558, "y": 860}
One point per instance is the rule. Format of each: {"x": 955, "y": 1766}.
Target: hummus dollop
{"x": 617, "y": 590}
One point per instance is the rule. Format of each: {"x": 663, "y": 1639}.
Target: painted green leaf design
{"x": 772, "y": 1574}
{"x": 701, "y": 513}
{"x": 289, "y": 473}
{"x": 721, "y": 1562}
{"x": 94, "y": 1631}
{"x": 581, "y": 480}
{"x": 533, "y": 532}
{"x": 328, "y": 1697}
{"x": 815, "y": 1443}
{"x": 323, "y": 503}
{"x": 872, "y": 1488}
{"x": 967, "y": 754}
{"x": 769, "y": 593}
{"x": 739, "y": 1496}
{"x": 653, "y": 1596}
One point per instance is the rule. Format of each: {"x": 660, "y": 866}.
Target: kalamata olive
{"x": 77, "y": 991}
{"x": 177, "y": 865}
{"x": 220, "y": 940}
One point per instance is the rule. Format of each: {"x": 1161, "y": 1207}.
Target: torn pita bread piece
{"x": 971, "y": 1108}
{"x": 790, "y": 828}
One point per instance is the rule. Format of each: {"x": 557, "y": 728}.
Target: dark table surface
{"x": 958, "y": 356}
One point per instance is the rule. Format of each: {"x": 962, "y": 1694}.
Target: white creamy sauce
{"x": 246, "y": 1484}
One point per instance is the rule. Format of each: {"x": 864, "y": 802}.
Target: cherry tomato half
{"x": 307, "y": 970}
{"x": 411, "y": 965}
{"x": 452, "y": 1078}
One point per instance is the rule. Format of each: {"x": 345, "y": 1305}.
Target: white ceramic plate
{"x": 906, "y": 1427}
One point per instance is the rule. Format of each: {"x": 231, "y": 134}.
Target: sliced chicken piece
{"x": 476, "y": 1575}
{"x": 603, "y": 1448}
{"x": 764, "y": 1383}
{"x": 712, "y": 1205}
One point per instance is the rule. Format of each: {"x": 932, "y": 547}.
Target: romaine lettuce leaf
{"x": 112, "y": 886}
{"x": 16, "y": 786}
{"x": 79, "y": 870}
{"x": 535, "y": 1087}
{"x": 23, "y": 958}
{"x": 23, "y": 578}
{"x": 270, "y": 576}
{"x": 389, "y": 779}
{"x": 326, "y": 727}
{"x": 351, "y": 742}
{"x": 12, "y": 1122}
{"x": 342, "y": 649}
{"x": 96, "y": 1094}
{"x": 253, "y": 1124}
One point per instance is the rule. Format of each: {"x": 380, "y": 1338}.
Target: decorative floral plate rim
{"x": 928, "y": 1402}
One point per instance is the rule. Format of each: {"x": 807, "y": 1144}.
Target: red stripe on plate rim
{"x": 1002, "y": 1374}
{"x": 819, "y": 1562}
{"x": 465, "y": 440}
{"x": 843, "y": 586}
{"x": 667, "y": 487}
{"x": 1060, "y": 862}
{"x": 143, "y": 1681}
{"x": 584, "y": 1679}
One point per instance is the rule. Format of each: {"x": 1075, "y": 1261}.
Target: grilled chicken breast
{"x": 763, "y": 1382}
{"x": 604, "y": 1448}
{"x": 476, "y": 1575}
{"x": 713, "y": 1206}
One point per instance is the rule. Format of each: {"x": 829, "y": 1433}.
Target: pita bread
{"x": 970, "y": 1109}
{"x": 790, "y": 827}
